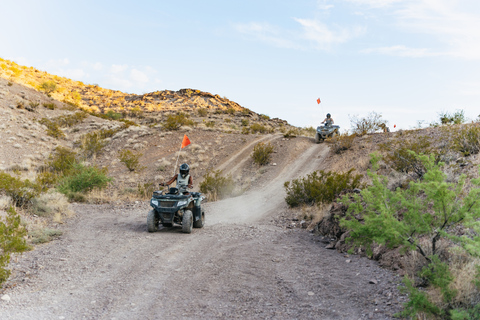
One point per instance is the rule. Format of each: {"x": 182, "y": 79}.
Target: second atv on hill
{"x": 326, "y": 131}
{"x": 175, "y": 207}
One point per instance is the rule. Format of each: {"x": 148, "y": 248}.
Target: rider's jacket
{"x": 182, "y": 182}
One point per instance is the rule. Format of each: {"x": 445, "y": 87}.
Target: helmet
{"x": 184, "y": 170}
{"x": 328, "y": 115}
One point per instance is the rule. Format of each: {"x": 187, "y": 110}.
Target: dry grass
{"x": 52, "y": 205}
{"x": 313, "y": 214}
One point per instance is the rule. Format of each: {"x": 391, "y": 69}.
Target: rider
{"x": 328, "y": 120}
{"x": 184, "y": 179}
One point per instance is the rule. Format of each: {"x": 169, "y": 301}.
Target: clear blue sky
{"x": 408, "y": 60}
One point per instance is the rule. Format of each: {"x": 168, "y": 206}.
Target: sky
{"x": 408, "y": 60}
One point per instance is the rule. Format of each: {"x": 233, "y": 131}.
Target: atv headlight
{"x": 155, "y": 202}
{"x": 182, "y": 203}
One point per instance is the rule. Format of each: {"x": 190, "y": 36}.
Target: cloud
{"x": 115, "y": 68}
{"x": 401, "y": 51}
{"x": 454, "y": 25}
{"x": 324, "y": 36}
{"x": 267, "y": 33}
{"x": 138, "y": 76}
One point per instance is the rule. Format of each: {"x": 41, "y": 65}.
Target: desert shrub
{"x": 53, "y": 128}
{"x": 48, "y": 87}
{"x": 230, "y": 111}
{"x": 417, "y": 219}
{"x": 210, "y": 124}
{"x": 309, "y": 131}
{"x": 21, "y": 191}
{"x": 291, "y": 133}
{"x": 244, "y": 122}
{"x": 130, "y": 159}
{"x": 458, "y": 117}
{"x": 262, "y": 153}
{"x": 60, "y": 163}
{"x": 44, "y": 235}
{"x": 50, "y": 106}
{"x": 83, "y": 179}
{"x": 145, "y": 190}
{"x": 245, "y": 130}
{"x": 32, "y": 106}
{"x": 215, "y": 186}
{"x": 174, "y": 122}
{"x": 136, "y": 112}
{"x": 202, "y": 112}
{"x": 264, "y": 117}
{"x": 369, "y": 124}
{"x": 342, "y": 142}
{"x": 11, "y": 241}
{"x": 51, "y": 204}
{"x": 92, "y": 144}
{"x": 402, "y": 154}
{"x": 258, "y": 128}
{"x": 113, "y": 115}
{"x": 70, "y": 120}
{"x": 320, "y": 187}
{"x": 467, "y": 140}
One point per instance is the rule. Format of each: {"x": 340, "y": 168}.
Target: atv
{"x": 175, "y": 207}
{"x": 324, "y": 132}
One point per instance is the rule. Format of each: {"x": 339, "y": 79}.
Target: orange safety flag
{"x": 185, "y": 141}
{"x": 394, "y": 125}
{"x": 318, "y": 101}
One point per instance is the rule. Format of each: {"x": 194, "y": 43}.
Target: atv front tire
{"x": 152, "y": 221}
{"x": 187, "y": 221}
{"x": 317, "y": 138}
{"x": 200, "y": 222}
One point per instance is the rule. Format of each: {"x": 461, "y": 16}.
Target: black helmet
{"x": 184, "y": 170}
{"x": 328, "y": 115}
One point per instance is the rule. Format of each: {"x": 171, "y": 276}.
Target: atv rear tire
{"x": 187, "y": 221}
{"x": 200, "y": 222}
{"x": 152, "y": 221}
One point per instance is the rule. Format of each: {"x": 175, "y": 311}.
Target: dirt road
{"x": 242, "y": 264}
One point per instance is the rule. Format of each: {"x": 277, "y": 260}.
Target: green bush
{"x": 21, "y": 192}
{"x": 210, "y": 124}
{"x": 264, "y": 117}
{"x": 291, "y": 133}
{"x": 83, "y": 179}
{"x": 320, "y": 187}
{"x": 113, "y": 115}
{"x": 70, "y": 120}
{"x": 215, "y": 186}
{"x": 174, "y": 122}
{"x": 262, "y": 153}
{"x": 342, "y": 142}
{"x": 417, "y": 219}
{"x": 458, "y": 117}
{"x": 244, "y": 122}
{"x": 130, "y": 159}
{"x": 230, "y": 111}
{"x": 44, "y": 235}
{"x": 136, "y": 112}
{"x": 11, "y": 241}
{"x": 467, "y": 140}
{"x": 50, "y": 106}
{"x": 145, "y": 190}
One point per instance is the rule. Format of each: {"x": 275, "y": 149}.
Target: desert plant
{"x": 215, "y": 186}
{"x": 113, "y": 115}
{"x": 431, "y": 209}
{"x": 244, "y": 122}
{"x": 70, "y": 120}
{"x": 458, "y": 117}
{"x": 210, "y": 124}
{"x": 83, "y": 179}
{"x": 264, "y": 117}
{"x": 291, "y": 133}
{"x": 32, "y": 106}
{"x": 145, "y": 190}
{"x": 320, "y": 187}
{"x": 136, "y": 112}
{"x": 11, "y": 241}
{"x": 44, "y": 235}
{"x": 202, "y": 112}
{"x": 401, "y": 157}
{"x": 174, "y": 122}
{"x": 262, "y": 153}
{"x": 92, "y": 144}
{"x": 369, "y": 124}
{"x": 53, "y": 128}
{"x": 48, "y": 87}
{"x": 130, "y": 159}
{"x": 342, "y": 142}
{"x": 50, "y": 106}
{"x": 467, "y": 140}
{"x": 258, "y": 128}
{"x": 21, "y": 191}
{"x": 230, "y": 111}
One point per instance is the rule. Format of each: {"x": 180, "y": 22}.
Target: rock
{"x": 348, "y": 261}
{"x": 372, "y": 281}
{"x": 330, "y": 246}
{"x": 310, "y": 293}
{"x": 5, "y": 297}
{"x": 17, "y": 145}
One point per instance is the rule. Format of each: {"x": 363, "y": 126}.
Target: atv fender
{"x": 197, "y": 213}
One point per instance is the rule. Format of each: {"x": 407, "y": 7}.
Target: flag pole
{"x": 175, "y": 168}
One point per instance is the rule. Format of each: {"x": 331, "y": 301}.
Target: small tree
{"x": 130, "y": 160}
{"x": 262, "y": 153}
{"x": 369, "y": 124}
{"x": 431, "y": 208}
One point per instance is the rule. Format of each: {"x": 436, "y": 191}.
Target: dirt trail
{"x": 240, "y": 265}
